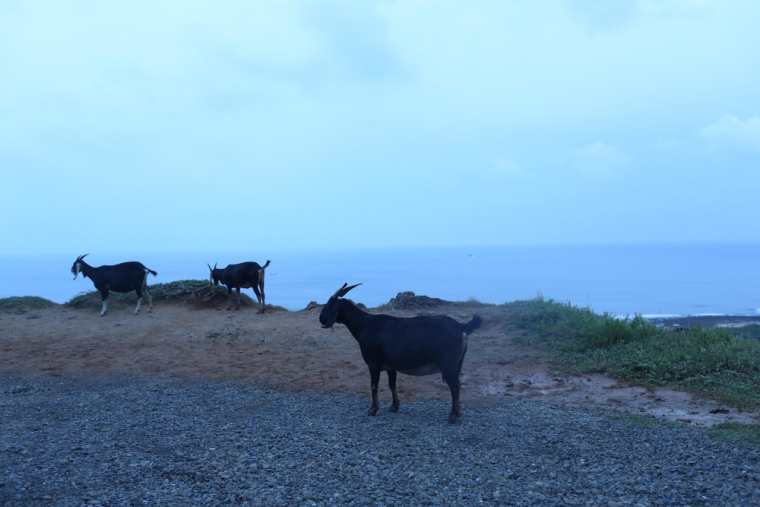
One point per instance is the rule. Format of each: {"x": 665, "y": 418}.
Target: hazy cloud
{"x": 423, "y": 119}
{"x": 734, "y": 132}
{"x": 356, "y": 41}
{"x": 596, "y": 15}
{"x": 600, "y": 159}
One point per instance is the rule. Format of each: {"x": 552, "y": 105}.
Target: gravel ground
{"x": 128, "y": 441}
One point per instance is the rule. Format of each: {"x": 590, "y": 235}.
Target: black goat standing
{"x": 124, "y": 277}
{"x": 415, "y": 346}
{"x": 236, "y": 276}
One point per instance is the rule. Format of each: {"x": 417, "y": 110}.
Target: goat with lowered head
{"x": 236, "y": 276}
{"x": 414, "y": 345}
{"x": 124, "y": 277}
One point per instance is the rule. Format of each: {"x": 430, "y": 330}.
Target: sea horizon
{"x": 654, "y": 280}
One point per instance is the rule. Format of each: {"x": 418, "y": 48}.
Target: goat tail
{"x": 148, "y": 270}
{"x": 266, "y": 264}
{"x": 472, "y": 325}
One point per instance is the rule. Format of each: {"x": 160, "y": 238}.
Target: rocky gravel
{"x": 138, "y": 441}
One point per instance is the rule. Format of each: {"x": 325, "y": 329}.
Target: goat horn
{"x": 344, "y": 290}
{"x": 209, "y": 267}
{"x": 337, "y": 292}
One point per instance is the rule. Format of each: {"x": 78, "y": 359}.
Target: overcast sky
{"x": 184, "y": 125}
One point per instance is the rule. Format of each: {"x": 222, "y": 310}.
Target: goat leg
{"x": 104, "y": 297}
{"x": 456, "y": 410}
{"x": 374, "y": 375}
{"x": 257, "y": 293}
{"x": 392, "y": 384}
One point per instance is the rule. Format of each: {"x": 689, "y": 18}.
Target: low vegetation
{"x": 24, "y": 303}
{"x": 410, "y": 301}
{"x": 752, "y": 331}
{"x": 737, "y": 432}
{"x": 179, "y": 291}
{"x": 714, "y": 363}
{"x": 194, "y": 292}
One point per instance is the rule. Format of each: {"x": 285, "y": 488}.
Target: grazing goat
{"x": 124, "y": 277}
{"x": 414, "y": 346}
{"x": 236, "y": 276}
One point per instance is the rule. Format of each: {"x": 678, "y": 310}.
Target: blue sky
{"x": 186, "y": 125}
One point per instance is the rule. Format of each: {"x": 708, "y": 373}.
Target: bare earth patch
{"x": 290, "y": 351}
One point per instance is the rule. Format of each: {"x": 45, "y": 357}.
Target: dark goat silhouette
{"x": 236, "y": 276}
{"x": 415, "y": 346}
{"x": 124, "y": 277}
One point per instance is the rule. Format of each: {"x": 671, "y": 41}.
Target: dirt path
{"x": 289, "y": 351}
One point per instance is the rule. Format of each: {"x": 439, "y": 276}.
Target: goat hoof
{"x": 393, "y": 408}
{"x": 373, "y": 411}
{"x": 453, "y": 418}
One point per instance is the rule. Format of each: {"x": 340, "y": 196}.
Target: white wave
{"x": 738, "y": 325}
{"x": 629, "y": 316}
{"x": 662, "y": 315}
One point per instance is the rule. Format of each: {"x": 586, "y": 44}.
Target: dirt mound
{"x": 24, "y": 304}
{"x": 197, "y": 293}
{"x": 206, "y": 297}
{"x": 313, "y": 305}
{"x": 410, "y": 301}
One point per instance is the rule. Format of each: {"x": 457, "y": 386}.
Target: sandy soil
{"x": 290, "y": 351}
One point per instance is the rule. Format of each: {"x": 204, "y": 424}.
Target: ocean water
{"x": 622, "y": 280}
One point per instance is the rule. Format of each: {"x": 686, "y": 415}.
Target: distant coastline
{"x": 185, "y": 291}
{"x": 651, "y": 280}
{"x": 727, "y": 321}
